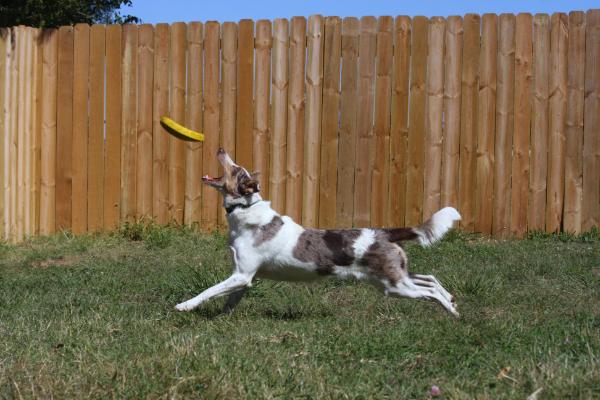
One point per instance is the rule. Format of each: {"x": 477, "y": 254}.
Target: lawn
{"x": 93, "y": 316}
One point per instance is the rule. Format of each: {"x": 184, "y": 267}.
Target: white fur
{"x": 366, "y": 239}
{"x": 439, "y": 223}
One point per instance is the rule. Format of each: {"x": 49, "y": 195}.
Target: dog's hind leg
{"x": 230, "y": 285}
{"x": 233, "y": 300}
{"x": 431, "y": 281}
{"x": 408, "y": 288}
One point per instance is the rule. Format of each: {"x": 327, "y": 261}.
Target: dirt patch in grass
{"x": 63, "y": 261}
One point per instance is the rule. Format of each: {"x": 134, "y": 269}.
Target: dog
{"x": 267, "y": 245}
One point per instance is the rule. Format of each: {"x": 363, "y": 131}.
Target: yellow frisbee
{"x": 180, "y": 131}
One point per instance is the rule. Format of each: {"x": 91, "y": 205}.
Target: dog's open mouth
{"x": 209, "y": 180}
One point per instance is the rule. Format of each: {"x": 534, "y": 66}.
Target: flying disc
{"x": 180, "y": 131}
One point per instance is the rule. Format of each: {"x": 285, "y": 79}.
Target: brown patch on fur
{"x": 266, "y": 232}
{"x": 385, "y": 260}
{"x": 326, "y": 249}
{"x": 400, "y": 234}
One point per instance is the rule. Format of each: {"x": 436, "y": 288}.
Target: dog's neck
{"x": 232, "y": 204}
{"x": 250, "y": 211}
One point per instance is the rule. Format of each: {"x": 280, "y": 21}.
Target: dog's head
{"x": 236, "y": 181}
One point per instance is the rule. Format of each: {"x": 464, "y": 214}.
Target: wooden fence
{"x": 352, "y": 122}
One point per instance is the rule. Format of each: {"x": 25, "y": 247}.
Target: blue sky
{"x": 154, "y": 11}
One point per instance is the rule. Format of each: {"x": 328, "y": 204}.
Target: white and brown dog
{"x": 267, "y": 245}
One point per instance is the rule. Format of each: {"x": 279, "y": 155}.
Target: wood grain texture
{"x": 381, "y": 129}
{"x": 347, "y": 135}
{"x": 64, "y": 122}
{"x": 12, "y": 146}
{"x": 434, "y": 116}
{"x": 112, "y": 157}
{"x": 521, "y": 140}
{"x": 129, "y": 122}
{"x": 539, "y": 123}
{"x": 557, "y": 121}
{"x": 484, "y": 193}
{"x": 192, "y": 213}
{"x": 33, "y": 147}
{"x": 279, "y": 94}
{"x": 145, "y": 90}
{"x": 229, "y": 43}
{"x": 38, "y": 99}
{"x": 81, "y": 62}
{"x": 452, "y": 98}
{"x": 262, "y": 93}
{"x": 177, "y": 85}
{"x": 210, "y": 165}
{"x": 574, "y": 123}
{"x": 469, "y": 120}
{"x": 95, "y": 151}
{"x": 160, "y": 137}
{"x": 19, "y": 142}
{"x": 591, "y": 132}
{"x": 295, "y": 129}
{"x": 28, "y": 125}
{"x": 24, "y": 108}
{"x": 245, "y": 78}
{"x": 416, "y": 131}
{"x": 504, "y": 126}
{"x": 312, "y": 132}
{"x": 4, "y": 132}
{"x": 399, "y": 121}
{"x": 329, "y": 122}
{"x": 365, "y": 150}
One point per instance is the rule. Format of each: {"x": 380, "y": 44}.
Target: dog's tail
{"x": 429, "y": 232}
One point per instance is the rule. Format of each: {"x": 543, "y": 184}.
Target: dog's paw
{"x": 185, "y": 306}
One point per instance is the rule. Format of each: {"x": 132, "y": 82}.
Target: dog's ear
{"x": 250, "y": 186}
{"x": 255, "y": 174}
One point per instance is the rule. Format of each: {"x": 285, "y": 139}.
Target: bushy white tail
{"x": 436, "y": 227}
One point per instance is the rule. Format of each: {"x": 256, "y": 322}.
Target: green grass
{"x": 93, "y": 317}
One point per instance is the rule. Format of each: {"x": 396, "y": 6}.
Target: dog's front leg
{"x": 233, "y": 300}
{"x": 234, "y": 283}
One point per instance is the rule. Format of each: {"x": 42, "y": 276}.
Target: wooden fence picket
{"x": 469, "y": 120}
{"x": 452, "y": 99}
{"x": 332, "y": 48}
{"x": 192, "y": 213}
{"x": 279, "y": 93}
{"x": 295, "y": 128}
{"x": 416, "y": 125}
{"x": 399, "y": 122}
{"x": 144, "y": 179}
{"x": 347, "y": 135}
{"x": 381, "y": 126}
{"x": 484, "y": 187}
{"x": 434, "y": 116}
{"x": 574, "y": 123}
{"x": 81, "y": 62}
{"x": 504, "y": 125}
{"x": 312, "y": 133}
{"x": 519, "y": 198}
{"x": 539, "y": 123}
